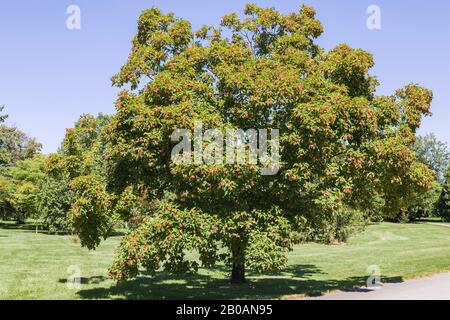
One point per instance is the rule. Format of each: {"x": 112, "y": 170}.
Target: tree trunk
{"x": 238, "y": 271}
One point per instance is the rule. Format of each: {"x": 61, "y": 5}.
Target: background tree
{"x": 443, "y": 204}
{"x": 424, "y": 205}
{"x": 20, "y": 171}
{"x": 434, "y": 153}
{"x": 55, "y": 199}
{"x": 81, "y": 150}
{"x": 15, "y": 145}
{"x": 3, "y": 117}
{"x": 20, "y": 188}
{"x": 80, "y": 155}
{"x": 345, "y": 152}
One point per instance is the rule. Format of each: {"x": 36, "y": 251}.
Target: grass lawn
{"x": 35, "y": 266}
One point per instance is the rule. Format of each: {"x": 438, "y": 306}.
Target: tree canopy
{"x": 345, "y": 152}
{"x": 443, "y": 204}
{"x": 19, "y": 188}
{"x": 15, "y": 145}
{"x": 80, "y": 155}
{"x": 21, "y": 168}
{"x": 434, "y": 153}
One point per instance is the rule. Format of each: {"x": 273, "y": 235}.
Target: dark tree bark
{"x": 238, "y": 273}
{"x": 238, "y": 270}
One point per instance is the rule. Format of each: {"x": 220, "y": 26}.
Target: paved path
{"x": 431, "y": 288}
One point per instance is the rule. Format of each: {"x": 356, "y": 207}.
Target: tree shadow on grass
{"x": 295, "y": 280}
{"x": 90, "y": 280}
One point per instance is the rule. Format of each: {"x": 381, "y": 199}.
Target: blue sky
{"x": 49, "y": 75}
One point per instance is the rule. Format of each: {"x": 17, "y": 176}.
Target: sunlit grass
{"x": 35, "y": 266}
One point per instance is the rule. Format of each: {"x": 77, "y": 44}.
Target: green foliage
{"x": 91, "y": 212}
{"x": 78, "y": 163}
{"x": 346, "y": 153}
{"x": 443, "y": 204}
{"x": 15, "y": 146}
{"x": 129, "y": 206}
{"x": 337, "y": 225}
{"x": 20, "y": 187}
{"x": 21, "y": 169}
{"x": 163, "y": 239}
{"x": 55, "y": 199}
{"x": 425, "y": 203}
{"x": 3, "y": 117}
{"x": 434, "y": 153}
{"x": 263, "y": 235}
{"x": 82, "y": 149}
